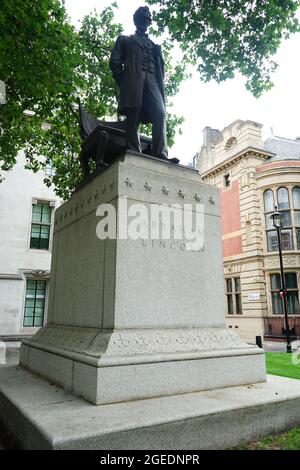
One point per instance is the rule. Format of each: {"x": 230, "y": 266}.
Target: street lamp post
{"x": 276, "y": 217}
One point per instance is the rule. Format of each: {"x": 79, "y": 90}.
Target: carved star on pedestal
{"x": 212, "y": 200}
{"x": 165, "y": 190}
{"x": 129, "y": 183}
{"x": 197, "y": 197}
{"x": 147, "y": 186}
{"x": 181, "y": 194}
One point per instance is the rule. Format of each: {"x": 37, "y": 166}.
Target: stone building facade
{"x": 26, "y": 220}
{"x": 254, "y": 176}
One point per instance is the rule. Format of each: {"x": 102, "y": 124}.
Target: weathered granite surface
{"x": 43, "y": 416}
{"x": 136, "y": 318}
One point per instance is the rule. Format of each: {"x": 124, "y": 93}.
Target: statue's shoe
{"x": 170, "y": 160}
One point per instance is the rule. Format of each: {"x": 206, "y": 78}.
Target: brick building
{"x": 254, "y": 176}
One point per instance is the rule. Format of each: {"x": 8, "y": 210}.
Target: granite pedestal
{"x": 136, "y": 318}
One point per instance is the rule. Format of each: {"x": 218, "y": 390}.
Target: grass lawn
{"x": 279, "y": 364}
{"x": 287, "y": 441}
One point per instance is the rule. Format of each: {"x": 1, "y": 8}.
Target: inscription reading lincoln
{"x": 180, "y": 223}
{"x": 168, "y": 244}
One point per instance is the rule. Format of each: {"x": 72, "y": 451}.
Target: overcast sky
{"x": 217, "y": 105}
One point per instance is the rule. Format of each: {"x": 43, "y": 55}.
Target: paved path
{"x": 274, "y": 346}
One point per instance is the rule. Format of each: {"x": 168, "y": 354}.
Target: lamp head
{"x": 277, "y": 217}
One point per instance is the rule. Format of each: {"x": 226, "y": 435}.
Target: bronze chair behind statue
{"x": 103, "y": 141}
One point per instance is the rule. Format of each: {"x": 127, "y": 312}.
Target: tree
{"x": 45, "y": 64}
{"x": 224, "y": 36}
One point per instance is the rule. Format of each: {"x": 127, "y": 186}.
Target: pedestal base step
{"x": 111, "y": 367}
{"x": 43, "y": 416}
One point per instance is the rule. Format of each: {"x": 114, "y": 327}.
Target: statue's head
{"x": 142, "y": 19}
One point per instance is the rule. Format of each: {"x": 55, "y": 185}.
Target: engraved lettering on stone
{"x": 91, "y": 342}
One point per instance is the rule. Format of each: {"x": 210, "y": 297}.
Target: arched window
{"x": 269, "y": 200}
{"x": 296, "y": 206}
{"x": 296, "y": 197}
{"x": 283, "y": 206}
{"x": 269, "y": 208}
{"x": 230, "y": 143}
{"x": 283, "y": 198}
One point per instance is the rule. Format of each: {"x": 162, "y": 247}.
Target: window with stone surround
{"x": 292, "y": 294}
{"x": 34, "y": 303}
{"x": 233, "y": 296}
{"x": 40, "y": 225}
{"x": 290, "y": 233}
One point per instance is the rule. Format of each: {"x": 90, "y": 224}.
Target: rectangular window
{"x": 286, "y": 240}
{"x": 229, "y": 296}
{"x": 40, "y": 226}
{"x": 227, "y": 181}
{"x": 34, "y": 303}
{"x": 272, "y": 240}
{"x": 233, "y": 296}
{"x": 298, "y": 238}
{"x": 297, "y": 227}
{"x": 292, "y": 294}
{"x": 238, "y": 296}
{"x": 297, "y": 218}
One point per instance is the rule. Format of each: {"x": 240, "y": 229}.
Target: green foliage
{"x": 45, "y": 64}
{"x": 222, "y": 37}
